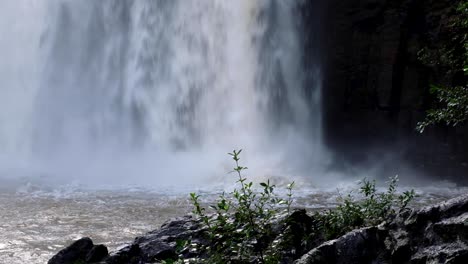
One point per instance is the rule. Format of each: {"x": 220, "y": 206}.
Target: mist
{"x": 156, "y": 93}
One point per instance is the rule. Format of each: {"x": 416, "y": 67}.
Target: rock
{"x": 376, "y": 89}
{"x": 130, "y": 255}
{"x": 434, "y": 234}
{"x": 81, "y": 251}
{"x": 359, "y": 246}
{"x": 453, "y": 253}
{"x": 453, "y": 227}
{"x": 298, "y": 225}
{"x": 159, "y": 244}
{"x": 97, "y": 253}
{"x": 76, "y": 252}
{"x": 450, "y": 208}
{"x": 157, "y": 249}
{"x": 401, "y": 248}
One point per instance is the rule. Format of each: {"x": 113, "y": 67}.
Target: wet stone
{"x": 75, "y": 253}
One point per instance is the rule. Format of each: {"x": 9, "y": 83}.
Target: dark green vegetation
{"x": 373, "y": 209}
{"x": 449, "y": 54}
{"x": 242, "y": 226}
{"x": 243, "y": 221}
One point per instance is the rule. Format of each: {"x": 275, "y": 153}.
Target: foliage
{"x": 241, "y": 227}
{"x": 450, "y": 56}
{"x": 373, "y": 209}
{"x": 455, "y": 110}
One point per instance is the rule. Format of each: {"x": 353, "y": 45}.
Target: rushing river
{"x": 36, "y": 222}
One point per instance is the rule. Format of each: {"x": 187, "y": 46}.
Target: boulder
{"x": 81, "y": 251}
{"x": 97, "y": 253}
{"x": 434, "y": 234}
{"x": 159, "y": 244}
{"x": 358, "y": 246}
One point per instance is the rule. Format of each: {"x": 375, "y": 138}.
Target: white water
{"x": 155, "y": 92}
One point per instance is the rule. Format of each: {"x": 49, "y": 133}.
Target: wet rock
{"x": 376, "y": 89}
{"x": 159, "y": 244}
{"x": 298, "y": 225}
{"x": 400, "y": 249}
{"x": 453, "y": 253}
{"x": 75, "y": 253}
{"x": 358, "y": 246}
{"x": 450, "y": 208}
{"x": 434, "y": 234}
{"x": 81, "y": 251}
{"x": 129, "y": 254}
{"x": 454, "y": 227}
{"x": 158, "y": 249}
{"x": 97, "y": 253}
{"x": 171, "y": 231}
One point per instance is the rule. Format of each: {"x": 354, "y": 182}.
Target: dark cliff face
{"x": 375, "y": 88}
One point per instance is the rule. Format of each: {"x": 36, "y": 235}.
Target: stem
{"x": 244, "y": 191}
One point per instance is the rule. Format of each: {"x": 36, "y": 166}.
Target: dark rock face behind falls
{"x": 375, "y": 89}
{"x": 435, "y": 234}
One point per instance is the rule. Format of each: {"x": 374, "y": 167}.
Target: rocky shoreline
{"x": 434, "y": 234}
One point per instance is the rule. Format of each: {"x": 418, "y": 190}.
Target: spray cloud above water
{"x": 157, "y": 92}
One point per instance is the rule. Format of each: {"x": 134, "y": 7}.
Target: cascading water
{"x": 20, "y": 35}
{"x": 164, "y": 88}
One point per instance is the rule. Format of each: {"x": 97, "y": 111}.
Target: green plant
{"x": 240, "y": 227}
{"x": 454, "y": 110}
{"x": 289, "y": 201}
{"x": 372, "y": 209}
{"x": 449, "y": 55}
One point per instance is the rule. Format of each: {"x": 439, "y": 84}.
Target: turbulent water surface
{"x": 35, "y": 222}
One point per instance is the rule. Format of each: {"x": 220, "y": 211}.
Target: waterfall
{"x": 165, "y": 84}
{"x": 20, "y": 33}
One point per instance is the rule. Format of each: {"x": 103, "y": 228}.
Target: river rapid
{"x": 37, "y": 221}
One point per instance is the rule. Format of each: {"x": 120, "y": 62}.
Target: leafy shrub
{"x": 454, "y": 110}
{"x": 373, "y": 209}
{"x": 240, "y": 225}
{"x": 240, "y": 230}
{"x": 448, "y": 53}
